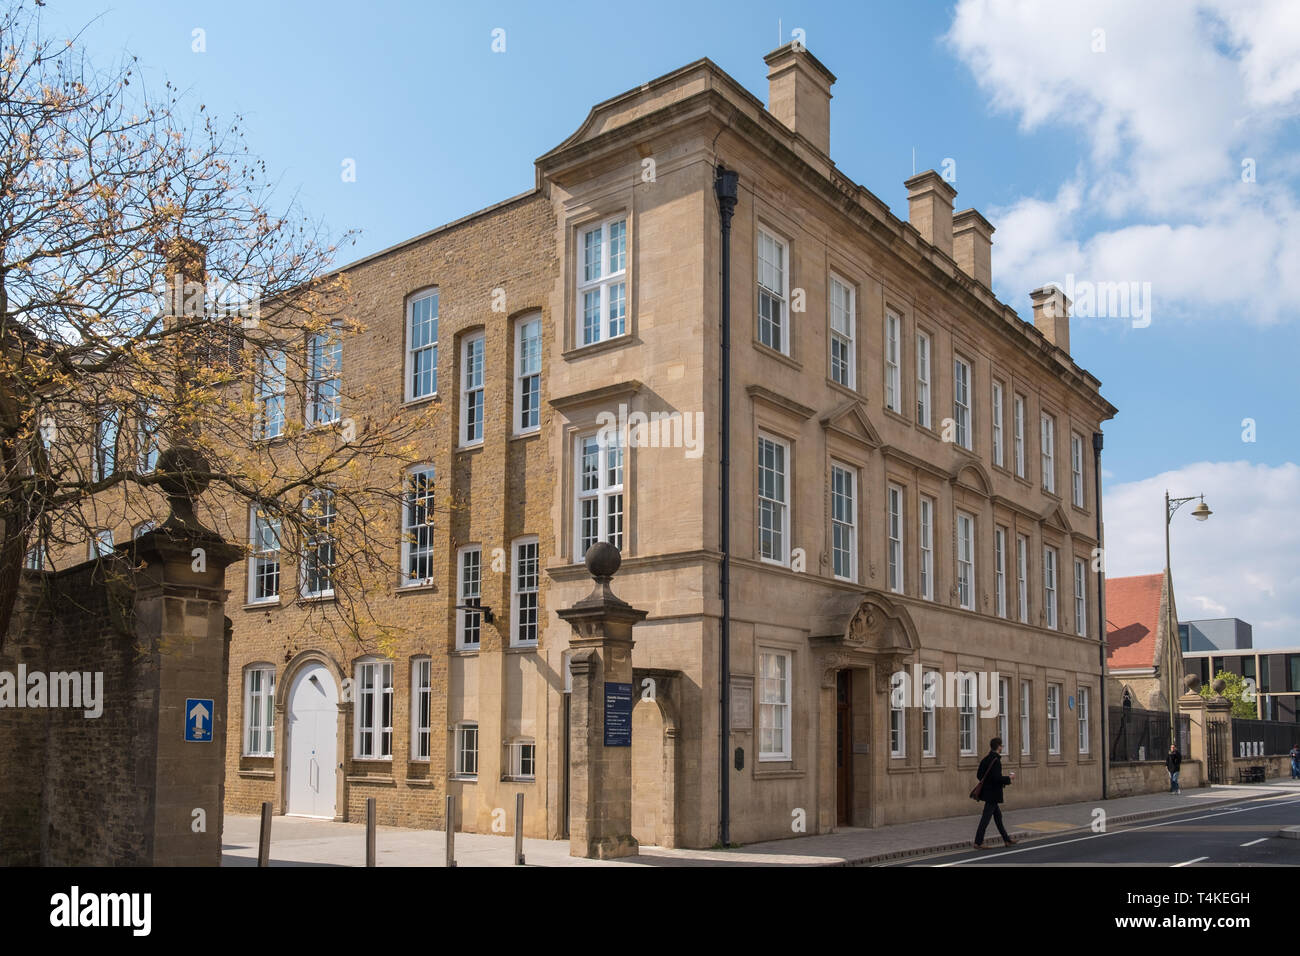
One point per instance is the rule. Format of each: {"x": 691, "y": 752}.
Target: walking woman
{"x": 990, "y": 787}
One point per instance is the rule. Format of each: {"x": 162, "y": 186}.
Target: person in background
{"x": 1172, "y": 763}
{"x": 1295, "y": 762}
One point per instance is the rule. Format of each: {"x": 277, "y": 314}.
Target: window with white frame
{"x": 36, "y": 555}
{"x": 147, "y": 449}
{"x": 324, "y": 376}
{"x": 923, "y": 379}
{"x": 526, "y": 566}
{"x": 528, "y": 374}
{"x": 843, "y": 358}
{"x": 966, "y": 713}
{"x": 602, "y": 281}
{"x": 1004, "y": 702}
{"x": 317, "y": 574}
{"x": 998, "y": 456}
{"x": 521, "y": 759}
{"x": 264, "y": 561}
{"x": 1085, "y": 743}
{"x": 929, "y": 683}
{"x": 773, "y": 292}
{"x": 965, "y": 561}
{"x": 422, "y": 346}
{"x": 774, "y": 705}
{"x": 1048, "y": 441}
{"x": 893, "y": 383}
{"x": 421, "y": 708}
{"x": 961, "y": 401}
{"x": 1018, "y": 433}
{"x": 897, "y": 729}
{"x": 269, "y": 387}
{"x": 107, "y": 421}
{"x": 894, "y": 501}
{"x": 467, "y": 750}
{"x": 599, "y": 502}
{"x": 417, "y": 526}
{"x": 469, "y": 582}
{"x": 374, "y": 707}
{"x": 1049, "y": 586}
{"x": 1080, "y": 598}
{"x": 773, "y": 511}
{"x": 1053, "y": 718}
{"x": 1024, "y": 717}
{"x": 471, "y": 390}
{"x": 101, "y": 544}
{"x": 259, "y": 711}
{"x": 844, "y": 523}
{"x": 1076, "y": 469}
{"x": 927, "y": 547}
{"x": 1000, "y": 571}
{"x": 1022, "y": 578}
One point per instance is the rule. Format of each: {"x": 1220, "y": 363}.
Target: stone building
{"x": 912, "y": 486}
{"x": 1138, "y": 641}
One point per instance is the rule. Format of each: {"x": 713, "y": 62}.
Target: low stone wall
{"x": 1279, "y": 766}
{"x": 1133, "y": 777}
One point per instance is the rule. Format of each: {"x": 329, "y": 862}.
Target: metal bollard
{"x": 264, "y": 837}
{"x": 370, "y": 831}
{"x": 519, "y": 829}
{"x": 449, "y": 824}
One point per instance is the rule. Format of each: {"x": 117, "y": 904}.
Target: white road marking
{"x": 1190, "y": 862}
{"x": 1094, "y": 836}
{"x": 1253, "y": 842}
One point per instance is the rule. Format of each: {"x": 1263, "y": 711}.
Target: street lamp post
{"x": 1200, "y": 513}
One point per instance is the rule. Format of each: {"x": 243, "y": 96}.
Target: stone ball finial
{"x": 1192, "y": 683}
{"x": 603, "y": 560}
{"x": 184, "y": 472}
{"x": 1218, "y": 685}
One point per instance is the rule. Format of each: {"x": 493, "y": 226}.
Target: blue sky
{"x": 1119, "y": 163}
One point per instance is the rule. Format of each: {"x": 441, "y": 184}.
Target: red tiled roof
{"x": 1132, "y": 619}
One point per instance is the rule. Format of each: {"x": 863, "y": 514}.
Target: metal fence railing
{"x": 1259, "y": 738}
{"x": 1144, "y": 734}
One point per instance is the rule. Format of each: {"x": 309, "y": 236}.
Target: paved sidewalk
{"x": 297, "y": 841}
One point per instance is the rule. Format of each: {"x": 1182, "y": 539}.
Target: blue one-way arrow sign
{"x": 198, "y": 719}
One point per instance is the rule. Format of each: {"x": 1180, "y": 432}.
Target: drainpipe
{"x": 725, "y": 188}
{"x": 1101, "y": 608}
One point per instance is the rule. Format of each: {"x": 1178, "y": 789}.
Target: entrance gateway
{"x": 313, "y": 743}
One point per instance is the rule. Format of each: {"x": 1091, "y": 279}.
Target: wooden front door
{"x": 843, "y": 747}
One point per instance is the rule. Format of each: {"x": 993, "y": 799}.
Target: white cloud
{"x": 1243, "y": 561}
{"x": 1181, "y": 95}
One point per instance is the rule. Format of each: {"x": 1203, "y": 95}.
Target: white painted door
{"x": 313, "y": 743}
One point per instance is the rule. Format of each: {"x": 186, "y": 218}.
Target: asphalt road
{"x": 1243, "y": 834}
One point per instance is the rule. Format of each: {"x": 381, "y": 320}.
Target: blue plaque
{"x": 618, "y": 714}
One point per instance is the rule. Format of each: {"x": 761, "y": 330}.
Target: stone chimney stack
{"x": 929, "y": 208}
{"x": 799, "y": 93}
{"x": 972, "y": 245}
{"x": 1052, "y": 315}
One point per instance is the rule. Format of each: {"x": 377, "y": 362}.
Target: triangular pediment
{"x": 1055, "y": 517}
{"x": 850, "y": 420}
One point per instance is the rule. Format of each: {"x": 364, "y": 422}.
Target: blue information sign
{"x": 618, "y": 715}
{"x": 198, "y": 719}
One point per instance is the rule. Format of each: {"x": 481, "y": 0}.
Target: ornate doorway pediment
{"x": 868, "y": 631}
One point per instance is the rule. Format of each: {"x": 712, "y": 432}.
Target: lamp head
{"x": 1201, "y": 511}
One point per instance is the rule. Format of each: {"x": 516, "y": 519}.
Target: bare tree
{"x": 150, "y": 295}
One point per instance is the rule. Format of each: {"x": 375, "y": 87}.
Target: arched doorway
{"x": 312, "y": 730}
{"x": 647, "y": 773}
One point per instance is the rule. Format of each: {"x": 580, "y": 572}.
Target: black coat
{"x": 990, "y": 771}
{"x": 1173, "y": 760}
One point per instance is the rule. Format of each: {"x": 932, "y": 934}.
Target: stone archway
{"x": 303, "y": 661}
{"x": 654, "y": 756}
